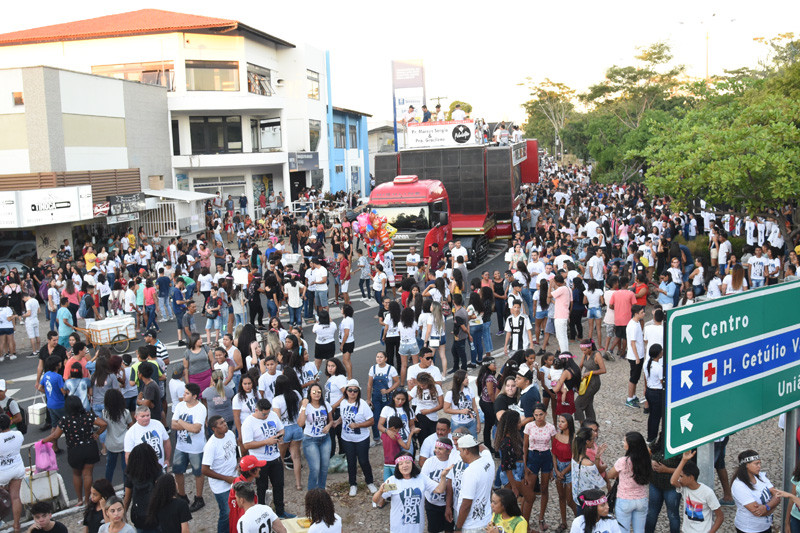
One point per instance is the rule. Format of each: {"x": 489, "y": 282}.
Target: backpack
{"x": 82, "y": 308}
{"x": 22, "y": 425}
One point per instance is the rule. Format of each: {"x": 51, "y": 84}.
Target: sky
{"x": 478, "y": 52}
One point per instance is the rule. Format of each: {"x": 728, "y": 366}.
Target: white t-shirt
{"x": 186, "y": 441}
{"x": 698, "y": 508}
{"x": 745, "y": 520}
{"x": 408, "y": 504}
{"x": 316, "y": 419}
{"x": 325, "y": 333}
{"x": 758, "y": 267}
{"x": 333, "y": 388}
{"x": 255, "y": 429}
{"x": 714, "y": 288}
{"x": 608, "y": 318}
{"x": 408, "y": 335}
{"x": 654, "y": 375}
{"x": 153, "y": 434}
{"x": 426, "y": 402}
{"x": 266, "y": 385}
{"x": 595, "y": 267}
{"x": 606, "y": 525}
{"x": 728, "y": 280}
{"x": 5, "y": 315}
{"x": 347, "y": 323}
{"x": 247, "y": 406}
{"x": 32, "y": 305}
{"x": 476, "y": 485}
{"x": 377, "y": 281}
{"x": 293, "y": 294}
{"x": 392, "y": 330}
{"x": 653, "y": 334}
{"x": 205, "y": 282}
{"x": 10, "y": 444}
{"x": 414, "y": 371}
{"x": 593, "y": 297}
{"x": 320, "y": 527}
{"x": 725, "y": 249}
{"x": 432, "y": 469}
{"x": 464, "y": 402}
{"x": 635, "y": 335}
{"x": 220, "y": 456}
{"x": 389, "y": 411}
{"x": 279, "y": 403}
{"x": 413, "y": 258}
{"x": 354, "y": 414}
{"x": 258, "y": 519}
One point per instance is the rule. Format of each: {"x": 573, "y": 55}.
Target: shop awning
{"x": 177, "y": 194}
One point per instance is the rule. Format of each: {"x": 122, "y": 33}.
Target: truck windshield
{"x": 414, "y": 217}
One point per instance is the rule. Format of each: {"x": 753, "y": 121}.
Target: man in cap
{"x": 250, "y": 469}
{"x": 473, "y": 504}
{"x": 458, "y": 113}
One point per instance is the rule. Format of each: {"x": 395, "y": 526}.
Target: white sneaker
{"x": 372, "y": 488}
{"x": 353, "y": 490}
{"x": 13, "y": 356}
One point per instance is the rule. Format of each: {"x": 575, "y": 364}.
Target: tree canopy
{"x": 465, "y": 107}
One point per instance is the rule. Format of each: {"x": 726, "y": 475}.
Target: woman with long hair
{"x": 94, "y": 514}
{"x": 654, "y": 390}
{"x": 400, "y": 406}
{"x": 357, "y": 417}
{"x": 562, "y": 465}
{"x": 506, "y": 514}
{"x": 593, "y": 300}
{"x": 538, "y": 459}
{"x": 524, "y": 277}
{"x": 750, "y": 489}
{"x": 316, "y": 419}
{"x": 594, "y": 514}
{"x": 244, "y": 403}
{"x": 577, "y": 309}
{"x": 82, "y": 453}
{"x": 734, "y": 282}
{"x": 591, "y": 361}
{"x": 391, "y": 336}
{"x": 103, "y": 378}
{"x": 218, "y": 399}
{"x": 325, "y": 342}
{"x": 462, "y": 405}
{"x": 586, "y": 472}
{"x": 286, "y": 404}
{"x": 568, "y": 383}
{"x": 541, "y": 310}
{"x": 433, "y": 333}
{"x": 118, "y": 418}
{"x": 320, "y": 511}
{"x": 487, "y": 297}
{"x": 508, "y": 395}
{"x": 487, "y": 384}
{"x": 197, "y": 362}
{"x": 166, "y": 511}
{"x": 475, "y": 315}
{"x": 508, "y": 442}
{"x": 334, "y": 394}
{"x": 409, "y": 347}
{"x": 634, "y": 471}
{"x": 428, "y": 399}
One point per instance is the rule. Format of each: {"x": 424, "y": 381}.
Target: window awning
{"x": 177, "y": 194}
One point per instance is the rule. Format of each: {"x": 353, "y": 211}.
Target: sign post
{"x": 731, "y": 363}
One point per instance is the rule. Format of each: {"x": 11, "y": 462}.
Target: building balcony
{"x": 229, "y": 160}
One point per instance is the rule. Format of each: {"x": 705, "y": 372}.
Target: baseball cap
{"x": 151, "y": 333}
{"x": 249, "y": 462}
{"x": 3, "y": 385}
{"x": 467, "y": 441}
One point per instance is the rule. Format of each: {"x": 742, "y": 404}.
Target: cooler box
{"x": 104, "y": 331}
{"x": 37, "y": 413}
{"x": 44, "y": 486}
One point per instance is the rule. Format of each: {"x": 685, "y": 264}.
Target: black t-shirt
{"x": 172, "y": 515}
{"x": 58, "y": 527}
{"x": 93, "y": 520}
{"x": 58, "y": 351}
{"x": 503, "y": 402}
{"x": 89, "y": 303}
{"x": 152, "y": 392}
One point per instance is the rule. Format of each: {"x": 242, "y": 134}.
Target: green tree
{"x": 743, "y": 154}
{"x": 465, "y": 107}
{"x": 554, "y": 101}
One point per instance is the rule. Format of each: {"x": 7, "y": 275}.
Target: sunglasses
{"x": 352, "y": 390}
{"x": 428, "y": 358}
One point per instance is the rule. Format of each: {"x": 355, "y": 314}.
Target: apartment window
{"x": 339, "y": 169}
{"x": 212, "y": 75}
{"x": 176, "y": 139}
{"x": 314, "y": 132}
{"x": 152, "y": 73}
{"x": 338, "y": 135}
{"x": 353, "y": 137}
{"x": 216, "y": 135}
{"x": 259, "y": 80}
{"x": 313, "y": 84}
{"x": 265, "y": 134}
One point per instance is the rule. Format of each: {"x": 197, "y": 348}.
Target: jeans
{"x": 631, "y": 514}
{"x": 239, "y": 318}
{"x": 655, "y": 402}
{"x": 295, "y": 316}
{"x": 151, "y": 316}
{"x": 476, "y": 347}
{"x": 527, "y": 297}
{"x": 657, "y": 498}
{"x": 487, "y": 339}
{"x": 472, "y": 427}
{"x": 272, "y": 472}
{"x": 358, "y": 451}
{"x": 794, "y": 525}
{"x": 308, "y": 305}
{"x": 377, "y": 406}
{"x": 98, "y": 412}
{"x": 165, "y": 307}
{"x": 224, "y": 312}
{"x": 560, "y": 325}
{"x": 459, "y": 353}
{"x": 379, "y": 297}
{"x": 222, "y": 503}
{"x": 53, "y": 326}
{"x": 755, "y": 283}
{"x": 363, "y": 286}
{"x": 111, "y": 465}
{"x": 272, "y": 308}
{"x": 318, "y": 454}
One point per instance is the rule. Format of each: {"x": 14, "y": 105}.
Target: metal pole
{"x": 705, "y": 462}
{"x": 789, "y": 456}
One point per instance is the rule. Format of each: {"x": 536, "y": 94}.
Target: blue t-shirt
{"x": 63, "y": 329}
{"x": 176, "y": 294}
{"x": 164, "y": 284}
{"x": 53, "y": 382}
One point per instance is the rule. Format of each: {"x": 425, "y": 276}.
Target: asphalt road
{"x": 21, "y": 374}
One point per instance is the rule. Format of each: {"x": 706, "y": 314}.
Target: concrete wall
{"x": 148, "y": 131}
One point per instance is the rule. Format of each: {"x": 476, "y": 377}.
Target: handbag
{"x": 45, "y": 457}
{"x": 585, "y": 383}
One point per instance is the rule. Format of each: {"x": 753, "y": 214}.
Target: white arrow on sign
{"x": 685, "y": 424}
{"x": 686, "y": 333}
{"x": 686, "y": 379}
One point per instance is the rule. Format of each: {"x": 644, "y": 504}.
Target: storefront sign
{"x": 53, "y": 206}
{"x": 8, "y": 209}
{"x": 101, "y": 209}
{"x": 440, "y": 134}
{"x": 125, "y": 217}
{"x": 302, "y": 161}
{"x": 123, "y": 204}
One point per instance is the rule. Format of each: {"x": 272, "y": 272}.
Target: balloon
{"x": 383, "y": 235}
{"x": 390, "y": 229}
{"x": 371, "y": 233}
{"x": 388, "y": 245}
{"x": 363, "y": 220}
{"x": 355, "y": 227}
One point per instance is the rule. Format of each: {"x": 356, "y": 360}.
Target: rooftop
{"x": 141, "y": 22}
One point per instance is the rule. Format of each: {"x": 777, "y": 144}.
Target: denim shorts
{"x": 214, "y": 323}
{"x": 568, "y": 476}
{"x": 540, "y": 315}
{"x": 410, "y": 348}
{"x": 595, "y": 312}
{"x": 540, "y": 462}
{"x": 292, "y": 432}
{"x": 321, "y": 298}
{"x": 518, "y": 473}
{"x": 441, "y": 338}
{"x": 181, "y": 459}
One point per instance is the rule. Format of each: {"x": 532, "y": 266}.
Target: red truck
{"x": 441, "y": 194}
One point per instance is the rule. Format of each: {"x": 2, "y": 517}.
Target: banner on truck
{"x": 408, "y": 89}
{"x": 440, "y": 134}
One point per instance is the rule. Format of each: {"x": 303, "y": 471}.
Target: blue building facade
{"x": 349, "y": 151}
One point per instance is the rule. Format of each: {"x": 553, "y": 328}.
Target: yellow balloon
{"x": 391, "y": 230}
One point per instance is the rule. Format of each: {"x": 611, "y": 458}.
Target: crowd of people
{"x": 590, "y": 267}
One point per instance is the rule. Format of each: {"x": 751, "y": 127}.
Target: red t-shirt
{"x": 636, "y": 288}
{"x": 235, "y": 512}
{"x": 344, "y": 270}
{"x": 622, "y": 300}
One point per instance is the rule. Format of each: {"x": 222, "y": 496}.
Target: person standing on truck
{"x": 439, "y": 113}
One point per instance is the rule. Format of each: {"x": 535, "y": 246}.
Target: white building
{"x": 240, "y": 101}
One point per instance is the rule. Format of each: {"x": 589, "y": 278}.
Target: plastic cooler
{"x": 104, "y": 331}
